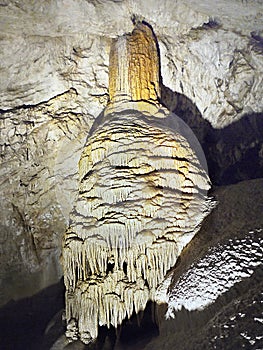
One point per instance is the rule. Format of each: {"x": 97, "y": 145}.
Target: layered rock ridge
{"x": 142, "y": 195}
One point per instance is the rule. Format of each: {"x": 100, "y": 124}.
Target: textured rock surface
{"x": 54, "y": 78}
{"x": 123, "y": 235}
{"x": 231, "y": 310}
{"x": 142, "y": 196}
{"x": 134, "y": 67}
{"x": 217, "y": 272}
{"x": 210, "y": 51}
{"x": 233, "y": 321}
{"x": 40, "y": 149}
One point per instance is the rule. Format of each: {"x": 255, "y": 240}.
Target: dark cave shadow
{"x": 234, "y": 153}
{"x": 23, "y": 322}
{"x": 36, "y": 323}
{"x": 133, "y": 334}
{"x": 137, "y": 332}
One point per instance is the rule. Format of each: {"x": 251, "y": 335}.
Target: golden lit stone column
{"x": 134, "y": 69}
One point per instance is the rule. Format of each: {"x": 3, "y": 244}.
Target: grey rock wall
{"x": 40, "y": 150}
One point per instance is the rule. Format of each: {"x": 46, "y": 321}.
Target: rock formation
{"x": 142, "y": 195}
{"x": 134, "y": 67}
{"x": 221, "y": 270}
{"x": 54, "y": 83}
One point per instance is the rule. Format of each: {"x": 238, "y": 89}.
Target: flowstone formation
{"x": 142, "y": 195}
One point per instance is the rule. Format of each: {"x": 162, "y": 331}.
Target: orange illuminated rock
{"x": 134, "y": 67}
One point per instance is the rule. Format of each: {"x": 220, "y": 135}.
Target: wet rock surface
{"x": 234, "y": 312}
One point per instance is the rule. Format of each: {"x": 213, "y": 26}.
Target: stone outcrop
{"x": 142, "y": 196}
{"x": 229, "y": 249}
{"x": 40, "y": 150}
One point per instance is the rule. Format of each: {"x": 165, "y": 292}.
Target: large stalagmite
{"x": 142, "y": 195}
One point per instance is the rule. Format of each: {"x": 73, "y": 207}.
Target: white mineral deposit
{"x": 142, "y": 196}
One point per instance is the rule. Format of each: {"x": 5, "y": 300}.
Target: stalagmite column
{"x": 134, "y": 67}
{"x": 142, "y": 196}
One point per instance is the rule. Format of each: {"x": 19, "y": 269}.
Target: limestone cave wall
{"x": 54, "y": 83}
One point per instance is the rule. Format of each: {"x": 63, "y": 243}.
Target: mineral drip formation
{"x": 142, "y": 196}
{"x": 134, "y": 67}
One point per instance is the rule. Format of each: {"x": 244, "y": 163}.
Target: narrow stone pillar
{"x": 134, "y": 68}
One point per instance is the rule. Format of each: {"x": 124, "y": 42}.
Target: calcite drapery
{"x": 142, "y": 196}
